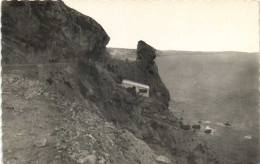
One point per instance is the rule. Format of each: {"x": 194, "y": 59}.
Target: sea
{"x": 218, "y": 91}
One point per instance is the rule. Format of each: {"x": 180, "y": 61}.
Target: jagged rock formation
{"x": 97, "y": 119}
{"x": 48, "y": 32}
{"x": 145, "y": 52}
{"x": 143, "y": 70}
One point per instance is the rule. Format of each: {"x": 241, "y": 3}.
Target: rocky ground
{"x": 41, "y": 126}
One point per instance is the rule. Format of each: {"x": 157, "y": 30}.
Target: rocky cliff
{"x": 143, "y": 70}
{"x": 36, "y": 32}
{"x": 70, "y": 99}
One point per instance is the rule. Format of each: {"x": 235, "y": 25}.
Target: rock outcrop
{"x": 143, "y": 70}
{"x": 44, "y": 32}
{"x": 145, "y": 52}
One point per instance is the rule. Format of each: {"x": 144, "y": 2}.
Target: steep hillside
{"x": 64, "y": 104}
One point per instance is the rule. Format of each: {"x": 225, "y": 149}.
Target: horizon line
{"x": 188, "y": 50}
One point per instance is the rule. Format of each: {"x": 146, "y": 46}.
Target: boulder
{"x": 102, "y": 161}
{"x": 227, "y": 124}
{"x": 41, "y": 142}
{"x": 185, "y": 127}
{"x": 196, "y": 126}
{"x": 208, "y": 131}
{"x": 91, "y": 159}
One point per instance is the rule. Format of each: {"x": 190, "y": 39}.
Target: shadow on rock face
{"x": 145, "y": 52}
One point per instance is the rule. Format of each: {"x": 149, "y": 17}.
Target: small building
{"x": 140, "y": 89}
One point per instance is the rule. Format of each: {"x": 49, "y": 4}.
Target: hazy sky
{"x": 177, "y": 25}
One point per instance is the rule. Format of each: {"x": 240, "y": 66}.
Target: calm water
{"x": 215, "y": 89}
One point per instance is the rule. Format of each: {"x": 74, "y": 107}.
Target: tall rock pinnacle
{"x": 145, "y": 52}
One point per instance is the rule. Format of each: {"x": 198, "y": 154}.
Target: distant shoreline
{"x": 182, "y": 52}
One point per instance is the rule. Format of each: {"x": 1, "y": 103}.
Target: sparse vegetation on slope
{"x": 79, "y": 113}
